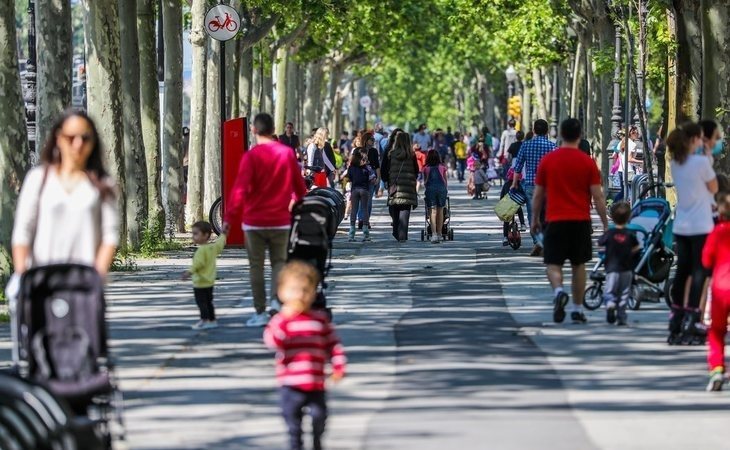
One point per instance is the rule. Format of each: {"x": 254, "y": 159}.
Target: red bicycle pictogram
{"x": 229, "y": 24}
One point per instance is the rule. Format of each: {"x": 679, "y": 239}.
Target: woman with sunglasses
{"x": 67, "y": 209}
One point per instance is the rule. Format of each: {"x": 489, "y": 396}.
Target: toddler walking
{"x": 203, "y": 273}
{"x": 716, "y": 258}
{"x": 621, "y": 245}
{"x": 304, "y": 341}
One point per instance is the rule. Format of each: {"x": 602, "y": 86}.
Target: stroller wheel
{"x": 634, "y": 300}
{"x": 593, "y": 297}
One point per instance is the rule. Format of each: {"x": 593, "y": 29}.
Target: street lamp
{"x": 511, "y": 75}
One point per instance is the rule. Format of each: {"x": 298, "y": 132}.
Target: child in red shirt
{"x": 304, "y": 341}
{"x": 716, "y": 257}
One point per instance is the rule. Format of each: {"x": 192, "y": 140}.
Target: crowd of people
{"x": 67, "y": 213}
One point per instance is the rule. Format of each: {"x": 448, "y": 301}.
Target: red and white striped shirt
{"x": 304, "y": 343}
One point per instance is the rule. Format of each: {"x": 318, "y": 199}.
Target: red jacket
{"x": 269, "y": 178}
{"x": 716, "y": 257}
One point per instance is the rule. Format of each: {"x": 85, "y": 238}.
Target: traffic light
{"x": 514, "y": 107}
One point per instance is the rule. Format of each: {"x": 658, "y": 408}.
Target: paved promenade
{"x": 450, "y": 346}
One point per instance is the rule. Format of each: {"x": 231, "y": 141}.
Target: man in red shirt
{"x": 269, "y": 181}
{"x": 566, "y": 181}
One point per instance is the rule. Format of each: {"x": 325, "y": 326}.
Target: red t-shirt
{"x": 567, "y": 175}
{"x": 716, "y": 257}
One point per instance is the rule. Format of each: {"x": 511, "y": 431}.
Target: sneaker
{"x": 257, "y": 320}
{"x": 505, "y": 242}
{"x": 210, "y": 325}
{"x": 523, "y": 228}
{"x": 536, "y": 251}
{"x": 578, "y": 317}
{"x": 717, "y": 380}
{"x": 611, "y": 313}
{"x": 275, "y": 306}
{"x": 351, "y": 239}
{"x": 622, "y": 317}
{"x": 366, "y": 238}
{"x": 559, "y": 307}
{"x": 369, "y": 226}
{"x": 434, "y": 239}
{"x": 199, "y": 325}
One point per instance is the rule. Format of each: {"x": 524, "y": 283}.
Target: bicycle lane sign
{"x": 222, "y": 22}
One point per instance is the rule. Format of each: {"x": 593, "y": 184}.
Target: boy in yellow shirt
{"x": 203, "y": 273}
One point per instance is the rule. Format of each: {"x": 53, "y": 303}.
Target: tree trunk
{"x": 245, "y": 83}
{"x": 526, "y": 102}
{"x": 150, "y": 110}
{"x": 282, "y": 57}
{"x": 575, "y": 93}
{"x": 212, "y": 129}
{"x": 172, "y": 36}
{"x": 672, "y": 97}
{"x": 14, "y": 152}
{"x": 267, "y": 88}
{"x": 716, "y": 90}
{"x": 312, "y": 98}
{"x": 55, "y": 62}
{"x": 104, "y": 78}
{"x": 292, "y": 91}
{"x": 196, "y": 158}
{"x": 257, "y": 82}
{"x": 716, "y": 58}
{"x": 539, "y": 93}
{"x": 134, "y": 155}
{"x": 689, "y": 60}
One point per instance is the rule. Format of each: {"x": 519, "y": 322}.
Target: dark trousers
{"x": 204, "y": 299}
{"x": 461, "y": 168}
{"x": 689, "y": 264}
{"x": 401, "y": 215}
{"x": 292, "y": 402}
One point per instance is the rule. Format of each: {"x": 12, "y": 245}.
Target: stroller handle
{"x": 653, "y": 186}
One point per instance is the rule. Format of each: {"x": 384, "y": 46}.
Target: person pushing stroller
{"x": 621, "y": 245}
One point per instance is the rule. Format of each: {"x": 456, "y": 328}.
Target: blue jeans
{"x": 360, "y": 212}
{"x": 529, "y": 192}
{"x": 461, "y": 168}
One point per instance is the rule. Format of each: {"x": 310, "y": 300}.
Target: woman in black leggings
{"x": 696, "y": 183}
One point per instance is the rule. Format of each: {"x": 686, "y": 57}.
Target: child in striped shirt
{"x": 304, "y": 341}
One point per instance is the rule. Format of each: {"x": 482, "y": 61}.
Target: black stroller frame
{"x": 447, "y": 233}
{"x": 60, "y": 343}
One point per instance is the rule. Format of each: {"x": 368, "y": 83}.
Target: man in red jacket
{"x": 269, "y": 181}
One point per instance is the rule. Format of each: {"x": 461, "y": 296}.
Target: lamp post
{"x": 30, "y": 94}
{"x": 616, "y": 111}
{"x": 554, "y": 104}
{"x": 511, "y": 75}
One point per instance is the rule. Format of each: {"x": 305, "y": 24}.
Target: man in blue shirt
{"x": 423, "y": 137}
{"x": 529, "y": 157}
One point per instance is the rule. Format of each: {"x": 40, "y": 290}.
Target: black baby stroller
{"x": 315, "y": 219}
{"x": 60, "y": 343}
{"x": 447, "y": 233}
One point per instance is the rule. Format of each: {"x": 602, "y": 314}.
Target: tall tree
{"x": 150, "y": 110}
{"x": 134, "y": 153}
{"x": 172, "y": 133}
{"x": 199, "y": 41}
{"x": 55, "y": 59}
{"x": 212, "y": 128}
{"x": 14, "y": 155}
{"x": 103, "y": 81}
{"x": 689, "y": 59}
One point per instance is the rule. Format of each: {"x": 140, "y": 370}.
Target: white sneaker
{"x": 434, "y": 239}
{"x": 210, "y": 325}
{"x": 258, "y": 320}
{"x": 199, "y": 326}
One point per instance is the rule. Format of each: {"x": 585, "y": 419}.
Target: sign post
{"x": 222, "y": 23}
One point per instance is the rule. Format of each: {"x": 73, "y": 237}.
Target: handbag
{"x": 506, "y": 208}
{"x": 393, "y": 187}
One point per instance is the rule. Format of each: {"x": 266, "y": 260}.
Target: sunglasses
{"x": 85, "y": 138}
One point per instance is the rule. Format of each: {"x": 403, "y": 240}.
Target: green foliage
{"x": 154, "y": 240}
{"x": 123, "y": 262}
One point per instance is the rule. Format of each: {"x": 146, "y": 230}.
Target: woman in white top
{"x": 696, "y": 184}
{"x": 316, "y": 156}
{"x": 67, "y": 209}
